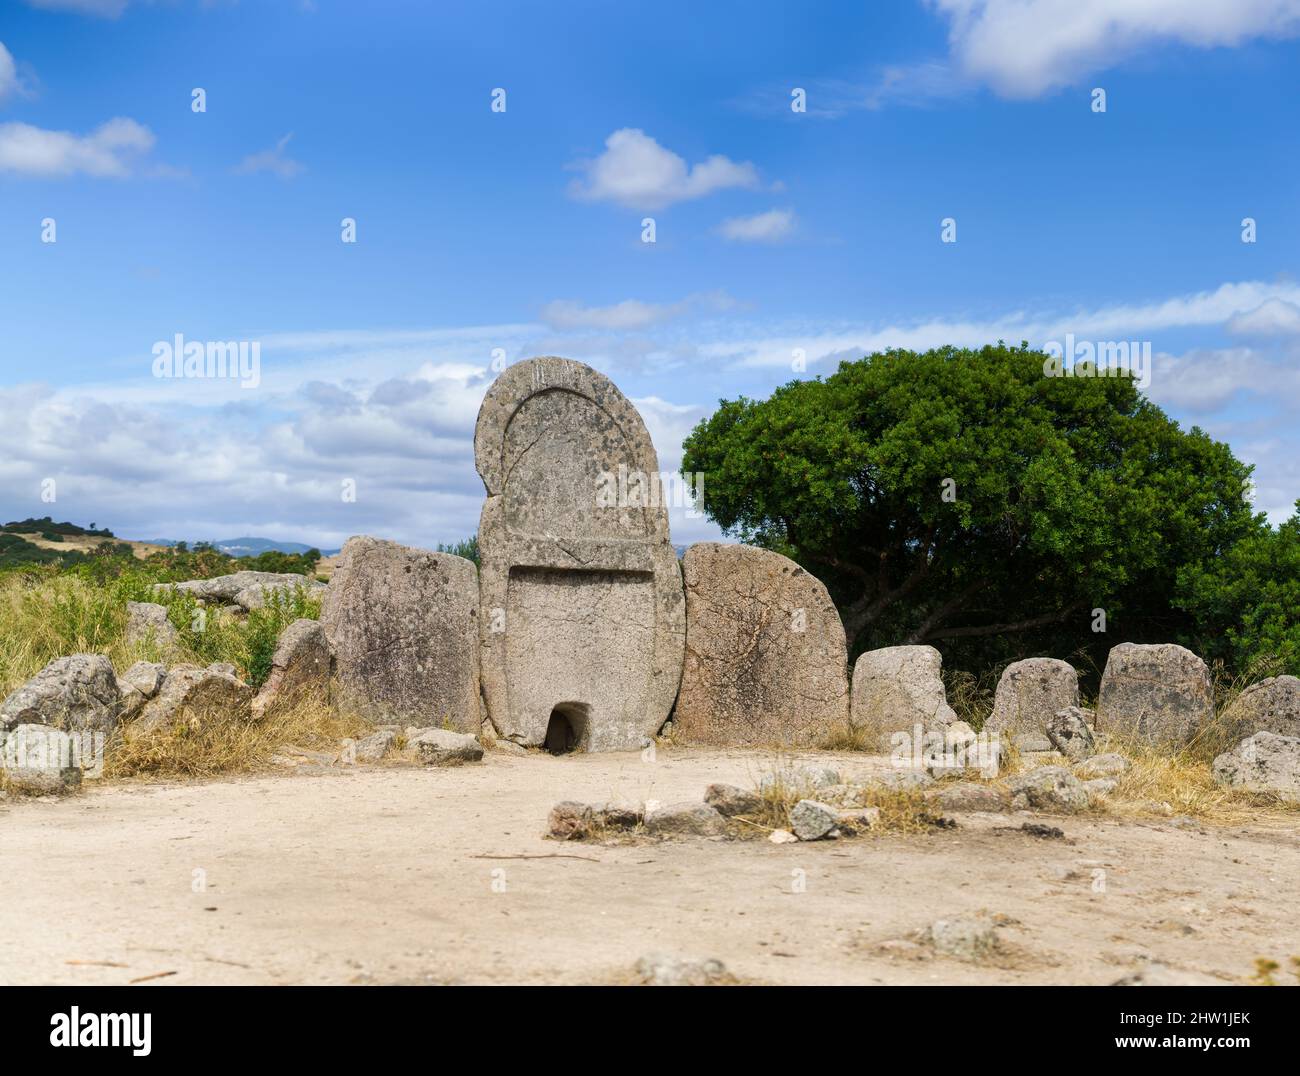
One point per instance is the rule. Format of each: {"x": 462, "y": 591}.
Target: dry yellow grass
{"x": 847, "y": 737}
{"x": 1185, "y": 782}
{"x": 43, "y": 619}
{"x": 210, "y": 745}
{"x": 901, "y": 810}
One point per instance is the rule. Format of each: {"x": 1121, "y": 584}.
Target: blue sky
{"x": 776, "y": 231}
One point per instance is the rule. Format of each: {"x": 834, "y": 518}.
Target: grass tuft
{"x": 209, "y": 745}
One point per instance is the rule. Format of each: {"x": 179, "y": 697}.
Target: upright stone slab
{"x": 300, "y": 668}
{"x": 582, "y": 613}
{"x": 1159, "y": 693}
{"x": 897, "y": 688}
{"x": 403, "y": 625}
{"x": 766, "y": 661}
{"x": 1030, "y": 692}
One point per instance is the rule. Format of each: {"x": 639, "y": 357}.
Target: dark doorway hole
{"x": 567, "y": 728}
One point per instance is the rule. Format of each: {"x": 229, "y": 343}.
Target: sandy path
{"x": 370, "y": 875}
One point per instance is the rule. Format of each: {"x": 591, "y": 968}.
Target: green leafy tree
{"x": 963, "y": 495}
{"x": 466, "y": 547}
{"x": 1246, "y": 603}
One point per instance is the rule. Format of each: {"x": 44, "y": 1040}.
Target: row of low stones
{"x": 811, "y": 820}
{"x": 765, "y": 660}
{"x": 765, "y": 663}
{"x": 833, "y": 808}
{"x": 244, "y": 591}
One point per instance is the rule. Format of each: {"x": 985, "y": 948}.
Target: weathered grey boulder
{"x": 1109, "y": 765}
{"x": 300, "y": 667}
{"x": 403, "y": 624}
{"x": 374, "y": 747}
{"x": 619, "y": 815}
{"x": 224, "y": 589}
{"x": 1069, "y": 733}
{"x": 1100, "y": 786}
{"x": 583, "y": 614}
{"x": 30, "y": 782}
{"x": 147, "y": 622}
{"x": 198, "y": 697}
{"x": 903, "y": 780}
{"x": 1048, "y": 788}
{"x": 140, "y": 683}
{"x": 1265, "y": 762}
{"x": 969, "y": 796}
{"x": 659, "y": 969}
{"x": 857, "y": 820}
{"x": 75, "y": 693}
{"x": 146, "y": 677}
{"x": 684, "y": 819}
{"x": 1158, "y": 693}
{"x": 38, "y": 747}
{"x": 440, "y": 747}
{"x": 730, "y": 800}
{"x": 972, "y": 937}
{"x": 812, "y": 820}
{"x": 132, "y": 703}
{"x": 766, "y": 661}
{"x": 1029, "y": 693}
{"x": 792, "y": 778}
{"x": 44, "y": 760}
{"x": 261, "y": 594}
{"x": 898, "y": 688}
{"x": 1272, "y": 705}
{"x": 570, "y": 820}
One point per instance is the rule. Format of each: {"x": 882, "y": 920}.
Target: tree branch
{"x": 945, "y": 611}
{"x": 999, "y": 629}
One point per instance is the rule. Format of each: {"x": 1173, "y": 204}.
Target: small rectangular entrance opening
{"x": 567, "y": 729}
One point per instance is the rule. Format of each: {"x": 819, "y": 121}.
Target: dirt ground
{"x": 397, "y": 875}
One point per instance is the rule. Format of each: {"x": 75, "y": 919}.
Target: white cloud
{"x": 1274, "y": 317}
{"x": 110, "y": 150}
{"x": 213, "y": 470}
{"x": 915, "y": 84}
{"x": 637, "y": 172}
{"x": 1024, "y": 48}
{"x": 630, "y": 313}
{"x": 1207, "y": 379}
{"x": 9, "y": 81}
{"x": 769, "y": 227}
{"x": 273, "y": 160}
{"x": 1121, "y": 321}
{"x": 217, "y": 460}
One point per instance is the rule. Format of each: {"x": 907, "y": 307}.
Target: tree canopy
{"x": 963, "y": 495}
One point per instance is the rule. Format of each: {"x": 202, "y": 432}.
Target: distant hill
{"x": 43, "y": 541}
{"x": 47, "y": 528}
{"x": 251, "y": 547}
